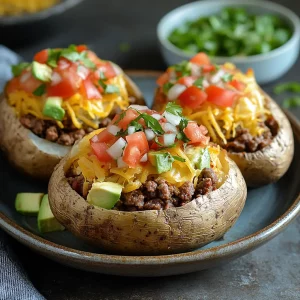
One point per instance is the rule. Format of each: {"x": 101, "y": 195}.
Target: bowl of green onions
{"x": 261, "y": 35}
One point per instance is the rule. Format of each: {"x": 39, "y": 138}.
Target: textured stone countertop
{"x": 270, "y": 272}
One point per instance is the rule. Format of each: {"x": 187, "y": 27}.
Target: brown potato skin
{"x": 19, "y": 148}
{"x": 151, "y": 232}
{"x": 16, "y": 143}
{"x": 269, "y": 164}
{"x": 264, "y": 166}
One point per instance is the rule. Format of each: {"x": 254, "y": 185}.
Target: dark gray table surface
{"x": 270, "y": 272}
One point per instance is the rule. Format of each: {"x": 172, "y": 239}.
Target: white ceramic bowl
{"x": 267, "y": 67}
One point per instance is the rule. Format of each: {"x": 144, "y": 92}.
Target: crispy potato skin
{"x": 19, "y": 148}
{"x": 267, "y": 165}
{"x": 17, "y": 144}
{"x": 151, "y": 232}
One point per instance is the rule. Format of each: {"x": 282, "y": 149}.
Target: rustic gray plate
{"x": 267, "y": 212}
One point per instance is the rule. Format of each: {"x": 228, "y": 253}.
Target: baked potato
{"x": 147, "y": 184}
{"x": 55, "y": 101}
{"x": 239, "y": 116}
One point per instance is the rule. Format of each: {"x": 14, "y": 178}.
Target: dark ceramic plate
{"x": 267, "y": 212}
{"x": 59, "y": 8}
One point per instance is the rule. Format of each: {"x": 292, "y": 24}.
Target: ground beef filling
{"x": 50, "y": 131}
{"x": 156, "y": 194}
{"x": 245, "y": 142}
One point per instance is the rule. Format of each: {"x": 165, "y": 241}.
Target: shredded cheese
{"x": 248, "y": 111}
{"x": 132, "y": 178}
{"x": 80, "y": 111}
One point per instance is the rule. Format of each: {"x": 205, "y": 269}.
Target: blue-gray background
{"x": 270, "y": 272}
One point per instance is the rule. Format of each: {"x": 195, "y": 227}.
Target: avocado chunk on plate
{"x": 46, "y": 220}
{"x": 28, "y": 203}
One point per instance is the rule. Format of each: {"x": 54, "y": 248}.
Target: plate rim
{"x": 242, "y": 245}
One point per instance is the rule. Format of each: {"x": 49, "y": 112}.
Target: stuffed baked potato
{"x": 147, "y": 184}
{"x": 56, "y": 100}
{"x": 237, "y": 113}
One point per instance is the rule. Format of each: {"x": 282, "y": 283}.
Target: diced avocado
{"x": 41, "y": 72}
{"x": 104, "y": 194}
{"x": 161, "y": 160}
{"x": 28, "y": 203}
{"x": 46, "y": 219}
{"x": 199, "y": 157}
{"x": 204, "y": 160}
{"x": 53, "y": 109}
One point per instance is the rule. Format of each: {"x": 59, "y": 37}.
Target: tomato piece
{"x": 91, "y": 90}
{"x": 30, "y": 83}
{"x": 240, "y": 86}
{"x": 104, "y": 137}
{"x": 208, "y": 68}
{"x": 200, "y": 59}
{"x": 130, "y": 115}
{"x": 162, "y": 79}
{"x": 187, "y": 81}
{"x": 81, "y": 48}
{"x": 107, "y": 69}
{"x": 93, "y": 57}
{"x": 63, "y": 64}
{"x": 220, "y": 96}
{"x": 137, "y": 146}
{"x": 99, "y": 149}
{"x": 192, "y": 97}
{"x": 12, "y": 85}
{"x": 69, "y": 84}
{"x": 132, "y": 156}
{"x": 196, "y": 134}
{"x": 64, "y": 89}
{"x": 41, "y": 57}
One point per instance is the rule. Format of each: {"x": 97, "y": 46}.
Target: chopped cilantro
{"x": 199, "y": 83}
{"x": 227, "y": 77}
{"x": 174, "y": 109}
{"x": 18, "y": 69}
{"x": 167, "y": 86}
{"x": 40, "y": 90}
{"x": 291, "y": 102}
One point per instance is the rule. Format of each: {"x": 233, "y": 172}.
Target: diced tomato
{"x": 192, "y": 97}
{"x": 162, "y": 79}
{"x": 208, "y": 68}
{"x": 106, "y": 68}
{"x": 104, "y": 137}
{"x": 99, "y": 150}
{"x": 12, "y": 85}
{"x": 93, "y": 57}
{"x": 200, "y": 59}
{"x": 70, "y": 82}
{"x": 220, "y": 96}
{"x": 64, "y": 89}
{"x": 240, "y": 86}
{"x": 81, "y": 48}
{"x": 196, "y": 134}
{"x": 30, "y": 84}
{"x": 187, "y": 81}
{"x": 63, "y": 64}
{"x": 91, "y": 90}
{"x": 137, "y": 146}
{"x": 41, "y": 56}
{"x": 129, "y": 116}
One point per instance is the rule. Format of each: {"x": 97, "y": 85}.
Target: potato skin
{"x": 264, "y": 166}
{"x": 16, "y": 140}
{"x": 19, "y": 148}
{"x": 151, "y": 232}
